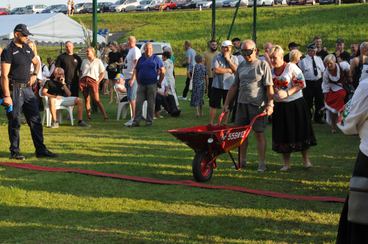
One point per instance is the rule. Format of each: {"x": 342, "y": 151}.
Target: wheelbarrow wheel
{"x": 202, "y": 170}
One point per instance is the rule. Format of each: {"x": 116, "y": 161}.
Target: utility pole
{"x": 213, "y": 34}
{"x": 254, "y": 36}
{"x": 94, "y": 24}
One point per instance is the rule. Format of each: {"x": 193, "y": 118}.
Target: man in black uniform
{"x": 71, "y": 64}
{"x": 16, "y": 82}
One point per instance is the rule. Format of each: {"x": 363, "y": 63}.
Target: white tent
{"x": 55, "y": 27}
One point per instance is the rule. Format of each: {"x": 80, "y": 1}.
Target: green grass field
{"x": 40, "y": 207}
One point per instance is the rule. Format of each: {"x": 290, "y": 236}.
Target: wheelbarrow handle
{"x": 221, "y": 117}
{"x": 256, "y": 117}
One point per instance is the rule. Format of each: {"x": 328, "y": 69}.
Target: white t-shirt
{"x": 133, "y": 54}
{"x": 92, "y": 69}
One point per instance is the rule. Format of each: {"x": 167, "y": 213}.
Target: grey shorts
{"x": 245, "y": 113}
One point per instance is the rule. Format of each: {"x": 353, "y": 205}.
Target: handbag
{"x": 358, "y": 199}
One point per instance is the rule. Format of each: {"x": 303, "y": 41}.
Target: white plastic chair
{"x": 47, "y": 113}
{"x": 123, "y": 106}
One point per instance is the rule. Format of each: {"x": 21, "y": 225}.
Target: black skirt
{"x": 350, "y": 232}
{"x": 292, "y": 127}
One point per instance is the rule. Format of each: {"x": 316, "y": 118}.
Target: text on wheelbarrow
{"x": 233, "y": 136}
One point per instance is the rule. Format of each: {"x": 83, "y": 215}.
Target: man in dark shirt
{"x": 321, "y": 51}
{"x": 291, "y": 46}
{"x": 16, "y": 82}
{"x": 340, "y": 53}
{"x": 71, "y": 64}
{"x": 58, "y": 93}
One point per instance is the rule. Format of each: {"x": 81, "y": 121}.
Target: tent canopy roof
{"x": 54, "y": 27}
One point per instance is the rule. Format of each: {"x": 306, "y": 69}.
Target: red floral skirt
{"x": 334, "y": 100}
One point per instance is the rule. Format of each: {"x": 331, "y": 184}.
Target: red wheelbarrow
{"x": 210, "y": 141}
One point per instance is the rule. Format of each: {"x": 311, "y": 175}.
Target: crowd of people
{"x": 293, "y": 89}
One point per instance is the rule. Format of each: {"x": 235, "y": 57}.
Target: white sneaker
{"x": 54, "y": 125}
{"x": 129, "y": 123}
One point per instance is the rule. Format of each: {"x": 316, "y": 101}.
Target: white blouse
{"x": 290, "y": 77}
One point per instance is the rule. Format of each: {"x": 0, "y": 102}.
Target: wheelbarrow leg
{"x": 232, "y": 159}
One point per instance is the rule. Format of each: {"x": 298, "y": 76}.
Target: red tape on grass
{"x": 173, "y": 182}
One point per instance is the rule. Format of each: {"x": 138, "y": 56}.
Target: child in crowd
{"x": 200, "y": 81}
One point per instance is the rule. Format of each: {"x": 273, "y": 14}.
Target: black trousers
{"x": 348, "y": 232}
{"x": 209, "y": 87}
{"x": 25, "y": 100}
{"x": 74, "y": 88}
{"x": 314, "y": 97}
{"x": 186, "y": 88}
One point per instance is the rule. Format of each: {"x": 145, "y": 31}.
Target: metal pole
{"x": 213, "y": 35}
{"x": 94, "y": 23}
{"x": 254, "y": 21}
{"x": 232, "y": 23}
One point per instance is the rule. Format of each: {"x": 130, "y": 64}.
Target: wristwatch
{"x": 34, "y": 73}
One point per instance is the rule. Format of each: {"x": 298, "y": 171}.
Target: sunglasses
{"x": 247, "y": 52}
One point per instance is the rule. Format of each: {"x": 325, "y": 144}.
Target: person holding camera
{"x": 224, "y": 66}
{"x": 16, "y": 84}
{"x": 58, "y": 93}
{"x": 148, "y": 68}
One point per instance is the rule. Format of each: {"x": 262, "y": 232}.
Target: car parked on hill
{"x": 181, "y": 3}
{"x": 35, "y": 8}
{"x": 234, "y": 3}
{"x": 53, "y": 8}
{"x": 104, "y": 6}
{"x": 148, "y": 5}
{"x": 157, "y": 46}
{"x": 322, "y": 2}
{"x": 302, "y": 2}
{"x": 78, "y": 7}
{"x": 208, "y": 4}
{"x": 191, "y": 4}
{"x": 88, "y": 8}
{"x": 19, "y": 10}
{"x": 4, "y": 11}
{"x": 166, "y": 5}
{"x": 262, "y": 3}
{"x": 127, "y": 5}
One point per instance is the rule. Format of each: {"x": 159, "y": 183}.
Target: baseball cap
{"x": 311, "y": 46}
{"x": 226, "y": 43}
{"x": 22, "y": 28}
{"x": 119, "y": 76}
{"x": 293, "y": 45}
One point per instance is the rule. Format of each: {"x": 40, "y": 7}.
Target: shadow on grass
{"x": 149, "y": 226}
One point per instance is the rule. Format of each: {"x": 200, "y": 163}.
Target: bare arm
{"x": 101, "y": 76}
{"x": 5, "y": 68}
{"x": 37, "y": 66}
{"x": 269, "y": 106}
{"x": 162, "y": 74}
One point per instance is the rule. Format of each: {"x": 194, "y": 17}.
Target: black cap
{"x": 22, "y": 28}
{"x": 311, "y": 46}
{"x": 339, "y": 40}
{"x": 293, "y": 45}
